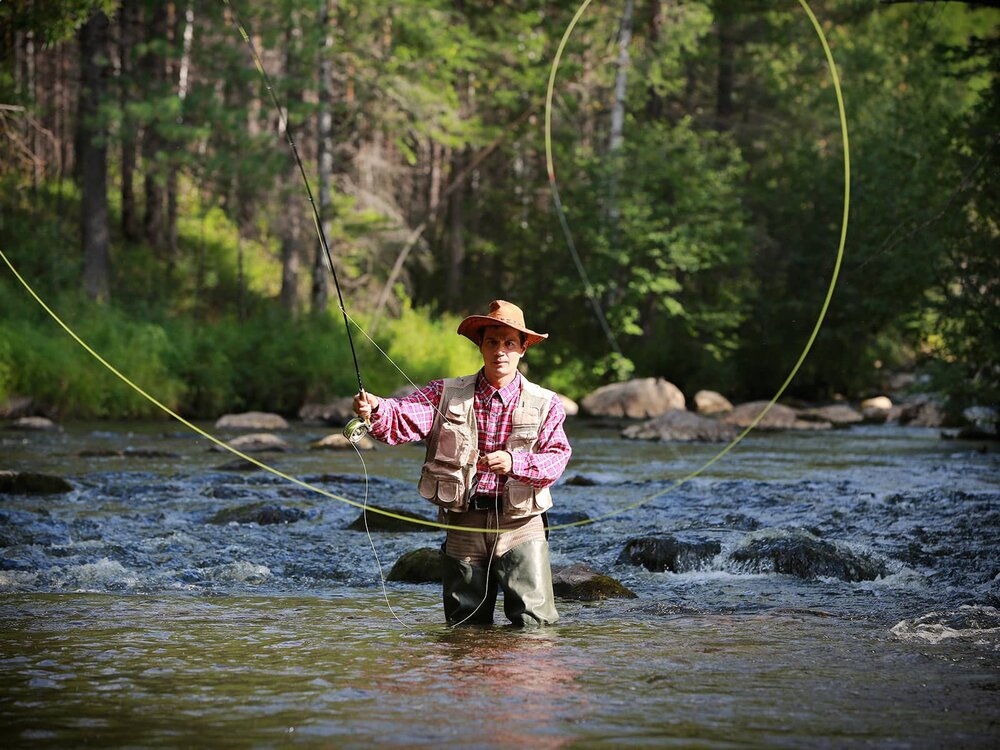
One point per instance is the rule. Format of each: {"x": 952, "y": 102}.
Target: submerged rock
{"x": 711, "y": 402}
{"x": 560, "y": 517}
{"x": 965, "y": 622}
{"x": 381, "y": 523}
{"x": 579, "y": 582}
{"x": 778, "y": 417}
{"x": 663, "y": 552}
{"x": 802, "y": 554}
{"x": 681, "y": 426}
{"x": 127, "y": 453}
{"x": 418, "y": 566}
{"x": 251, "y": 420}
{"x": 30, "y": 483}
{"x": 264, "y": 514}
{"x": 579, "y": 480}
{"x": 337, "y": 442}
{"x": 637, "y": 399}
{"x": 259, "y": 442}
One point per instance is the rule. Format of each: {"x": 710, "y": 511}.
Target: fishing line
{"x": 371, "y": 542}
{"x": 550, "y": 163}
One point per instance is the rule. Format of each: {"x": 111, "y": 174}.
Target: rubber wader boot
{"x": 467, "y": 590}
{"x": 526, "y": 578}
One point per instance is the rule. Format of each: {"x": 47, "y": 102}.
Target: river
{"x": 129, "y": 618}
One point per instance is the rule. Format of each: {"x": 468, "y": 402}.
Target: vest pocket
{"x": 452, "y": 444}
{"x": 444, "y": 487}
{"x": 518, "y": 498}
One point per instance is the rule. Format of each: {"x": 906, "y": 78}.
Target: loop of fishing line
{"x": 550, "y": 164}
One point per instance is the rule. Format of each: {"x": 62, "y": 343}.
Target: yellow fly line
{"x": 551, "y": 169}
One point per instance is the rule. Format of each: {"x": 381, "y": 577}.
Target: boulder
{"x": 779, "y": 417}
{"x": 637, "y": 399}
{"x": 30, "y": 483}
{"x": 338, "y": 412}
{"x": 802, "y": 554}
{"x": 337, "y": 442}
{"x": 380, "y": 523}
{"x": 258, "y": 442}
{"x": 664, "y": 552}
{"x": 264, "y": 514}
{"x": 711, "y": 402}
{"x": 876, "y": 410}
{"x": 251, "y": 420}
{"x": 839, "y": 415}
{"x": 983, "y": 421}
{"x": 418, "y": 566}
{"x": 569, "y": 405}
{"x": 34, "y": 424}
{"x": 968, "y": 621}
{"x": 580, "y": 582}
{"x": 921, "y": 412}
{"x": 681, "y": 426}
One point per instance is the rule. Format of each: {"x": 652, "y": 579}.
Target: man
{"x": 495, "y": 442}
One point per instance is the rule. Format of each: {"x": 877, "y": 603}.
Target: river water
{"x": 129, "y": 618}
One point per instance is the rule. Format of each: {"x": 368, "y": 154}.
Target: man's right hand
{"x": 364, "y": 404}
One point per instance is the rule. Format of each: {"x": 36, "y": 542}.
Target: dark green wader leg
{"x": 526, "y": 578}
{"x": 466, "y": 591}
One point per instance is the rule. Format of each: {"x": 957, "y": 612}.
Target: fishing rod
{"x": 357, "y": 428}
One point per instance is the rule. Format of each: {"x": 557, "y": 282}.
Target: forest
{"x": 149, "y": 196}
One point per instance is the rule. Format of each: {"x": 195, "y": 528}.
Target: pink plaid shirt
{"x": 408, "y": 419}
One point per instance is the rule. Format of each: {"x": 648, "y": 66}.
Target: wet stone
{"x": 579, "y": 582}
{"x": 264, "y": 514}
{"x": 380, "y": 523}
{"x": 663, "y": 552}
{"x": 802, "y": 554}
{"x": 30, "y": 483}
{"x": 418, "y": 566}
{"x": 560, "y": 517}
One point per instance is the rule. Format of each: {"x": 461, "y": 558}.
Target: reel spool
{"x": 356, "y": 429}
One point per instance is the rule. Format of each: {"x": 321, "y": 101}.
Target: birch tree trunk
{"x": 617, "y": 139}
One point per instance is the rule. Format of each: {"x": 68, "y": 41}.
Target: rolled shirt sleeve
{"x": 406, "y": 420}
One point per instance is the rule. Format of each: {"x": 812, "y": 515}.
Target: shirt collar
{"x": 508, "y": 393}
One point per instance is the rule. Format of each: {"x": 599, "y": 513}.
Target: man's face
{"x": 502, "y": 350}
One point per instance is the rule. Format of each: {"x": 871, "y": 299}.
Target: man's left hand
{"x": 499, "y": 462}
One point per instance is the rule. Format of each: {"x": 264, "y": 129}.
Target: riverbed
{"x": 131, "y": 617}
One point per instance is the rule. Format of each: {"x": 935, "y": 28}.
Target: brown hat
{"x": 502, "y": 313}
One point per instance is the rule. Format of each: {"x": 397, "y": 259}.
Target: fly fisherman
{"x": 495, "y": 442}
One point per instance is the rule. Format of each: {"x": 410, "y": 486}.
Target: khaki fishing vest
{"x": 449, "y": 470}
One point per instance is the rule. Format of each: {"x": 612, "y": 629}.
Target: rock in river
{"x": 379, "y": 522}
{"x": 260, "y": 513}
{"x": 637, "y": 399}
{"x": 664, "y": 552}
{"x": 778, "y": 417}
{"x": 258, "y": 442}
{"x": 251, "y": 420}
{"x": 30, "y": 483}
{"x": 799, "y": 553}
{"x": 580, "y": 582}
{"x": 337, "y": 442}
{"x": 711, "y": 402}
{"x": 681, "y": 426}
{"x": 418, "y": 566}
